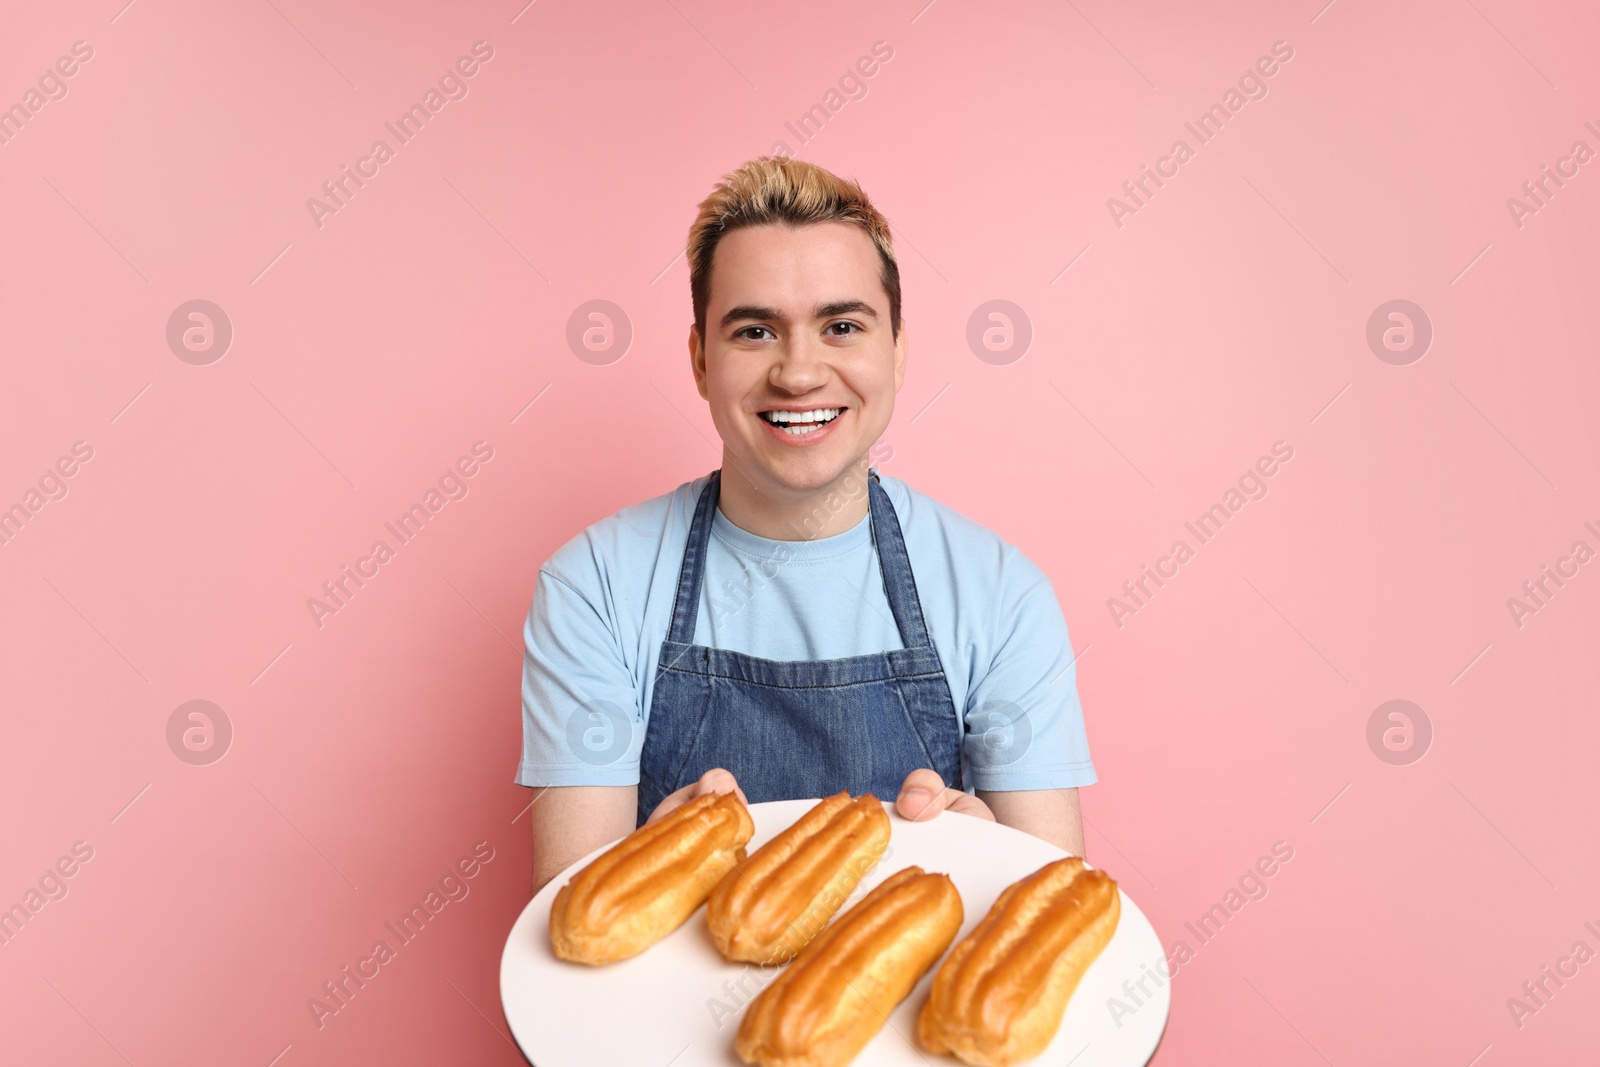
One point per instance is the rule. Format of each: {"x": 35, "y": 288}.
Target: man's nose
{"x": 800, "y": 367}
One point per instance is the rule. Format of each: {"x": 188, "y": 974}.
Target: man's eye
{"x": 849, "y": 328}
{"x": 746, "y": 332}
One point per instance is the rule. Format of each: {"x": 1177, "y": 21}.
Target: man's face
{"x": 798, "y": 363}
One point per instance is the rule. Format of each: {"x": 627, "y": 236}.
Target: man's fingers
{"x": 966, "y": 804}
{"x": 673, "y": 800}
{"x": 717, "y": 780}
{"x": 923, "y": 795}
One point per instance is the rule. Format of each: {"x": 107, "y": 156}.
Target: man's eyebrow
{"x": 747, "y": 311}
{"x": 845, "y": 307}
{"x": 821, "y": 311}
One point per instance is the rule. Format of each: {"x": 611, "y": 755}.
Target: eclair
{"x": 645, "y": 886}
{"x": 827, "y": 1004}
{"x": 767, "y": 908}
{"x": 999, "y": 997}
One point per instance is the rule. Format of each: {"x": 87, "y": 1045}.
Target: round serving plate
{"x": 678, "y": 1004}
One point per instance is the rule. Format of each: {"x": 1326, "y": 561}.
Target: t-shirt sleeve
{"x": 1024, "y": 723}
{"x": 580, "y": 707}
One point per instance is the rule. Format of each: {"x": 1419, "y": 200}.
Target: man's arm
{"x": 1024, "y": 724}
{"x": 1051, "y": 814}
{"x": 579, "y": 717}
{"x": 571, "y": 821}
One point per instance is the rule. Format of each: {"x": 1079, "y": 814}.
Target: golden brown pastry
{"x": 840, "y": 989}
{"x": 644, "y": 887}
{"x": 767, "y": 908}
{"x": 999, "y": 997}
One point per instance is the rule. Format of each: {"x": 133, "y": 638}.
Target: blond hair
{"x": 777, "y": 189}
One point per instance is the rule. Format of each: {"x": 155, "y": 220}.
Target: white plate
{"x": 678, "y": 1002}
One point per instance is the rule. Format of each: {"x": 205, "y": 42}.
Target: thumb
{"x": 922, "y": 796}
{"x": 718, "y": 780}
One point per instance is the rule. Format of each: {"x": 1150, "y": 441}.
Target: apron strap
{"x": 692, "y": 574}
{"x": 899, "y": 587}
{"x": 898, "y": 584}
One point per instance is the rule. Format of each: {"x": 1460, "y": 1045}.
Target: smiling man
{"x": 795, "y": 623}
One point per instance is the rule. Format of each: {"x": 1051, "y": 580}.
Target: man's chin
{"x": 799, "y": 475}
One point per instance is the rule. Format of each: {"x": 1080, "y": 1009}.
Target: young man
{"x": 795, "y": 623}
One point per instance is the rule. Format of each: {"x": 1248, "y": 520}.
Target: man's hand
{"x": 1049, "y": 814}
{"x": 715, "y": 780}
{"x": 569, "y": 822}
{"x": 924, "y": 795}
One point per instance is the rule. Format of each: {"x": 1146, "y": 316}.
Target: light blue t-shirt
{"x": 603, "y": 604}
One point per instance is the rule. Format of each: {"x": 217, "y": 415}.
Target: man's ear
{"x": 900, "y": 347}
{"x": 697, "y": 362}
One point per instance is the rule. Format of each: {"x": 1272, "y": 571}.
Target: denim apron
{"x": 792, "y": 729}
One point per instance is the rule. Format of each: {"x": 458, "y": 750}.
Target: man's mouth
{"x": 800, "y": 423}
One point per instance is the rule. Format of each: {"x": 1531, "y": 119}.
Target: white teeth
{"x": 816, "y": 415}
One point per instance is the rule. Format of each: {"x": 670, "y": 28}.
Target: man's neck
{"x": 782, "y": 516}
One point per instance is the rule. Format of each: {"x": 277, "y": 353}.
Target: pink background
{"x": 368, "y": 354}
